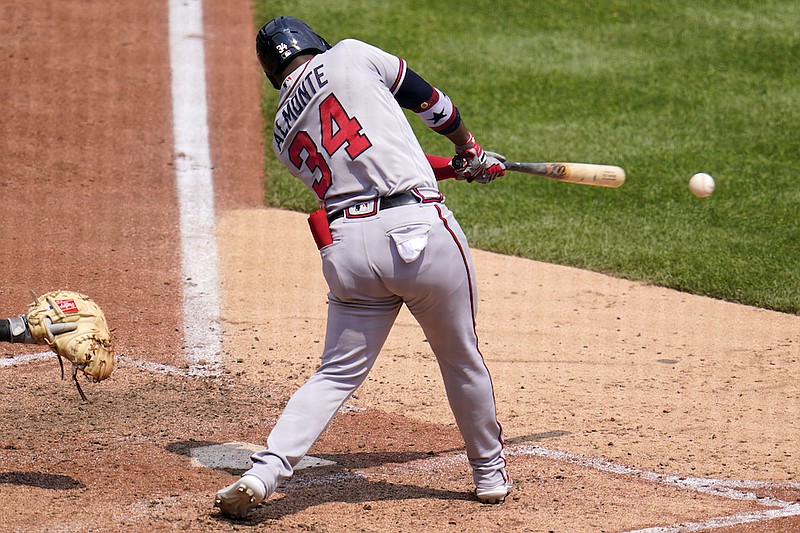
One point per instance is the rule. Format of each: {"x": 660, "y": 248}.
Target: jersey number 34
{"x": 337, "y": 129}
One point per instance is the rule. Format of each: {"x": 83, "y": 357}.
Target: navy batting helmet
{"x": 283, "y": 38}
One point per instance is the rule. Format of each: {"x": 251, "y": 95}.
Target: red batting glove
{"x": 472, "y": 163}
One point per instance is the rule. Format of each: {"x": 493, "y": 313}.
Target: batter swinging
{"x": 386, "y": 239}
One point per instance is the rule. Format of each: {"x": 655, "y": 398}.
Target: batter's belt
{"x": 372, "y": 207}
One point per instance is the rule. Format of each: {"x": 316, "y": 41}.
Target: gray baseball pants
{"x": 415, "y": 255}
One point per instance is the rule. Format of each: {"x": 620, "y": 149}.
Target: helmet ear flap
{"x": 273, "y": 80}
{"x": 267, "y": 66}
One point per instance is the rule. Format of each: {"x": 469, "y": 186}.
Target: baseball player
{"x": 386, "y": 239}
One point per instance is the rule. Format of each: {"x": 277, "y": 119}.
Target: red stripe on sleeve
{"x": 401, "y": 73}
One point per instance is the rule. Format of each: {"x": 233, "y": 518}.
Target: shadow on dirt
{"x": 41, "y": 481}
{"x": 185, "y": 447}
{"x": 346, "y": 487}
{"x": 537, "y": 437}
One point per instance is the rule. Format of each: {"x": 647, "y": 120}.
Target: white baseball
{"x": 701, "y": 185}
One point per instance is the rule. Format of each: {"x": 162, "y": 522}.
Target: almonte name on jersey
{"x": 298, "y": 98}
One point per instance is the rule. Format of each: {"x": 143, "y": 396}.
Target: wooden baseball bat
{"x": 582, "y": 173}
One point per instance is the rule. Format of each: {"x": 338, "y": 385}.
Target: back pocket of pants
{"x": 410, "y": 240}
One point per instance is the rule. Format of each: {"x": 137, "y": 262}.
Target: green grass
{"x": 664, "y": 89}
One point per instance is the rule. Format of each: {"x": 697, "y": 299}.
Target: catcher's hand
{"x": 87, "y": 345}
{"x": 19, "y": 331}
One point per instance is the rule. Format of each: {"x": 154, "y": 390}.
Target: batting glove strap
{"x": 469, "y": 149}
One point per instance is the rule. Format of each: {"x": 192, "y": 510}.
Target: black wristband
{"x": 5, "y": 331}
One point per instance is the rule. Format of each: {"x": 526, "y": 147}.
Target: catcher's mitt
{"x": 87, "y": 346}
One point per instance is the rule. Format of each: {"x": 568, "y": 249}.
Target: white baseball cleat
{"x": 494, "y": 494}
{"x": 238, "y": 498}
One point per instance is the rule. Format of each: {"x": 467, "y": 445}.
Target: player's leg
{"x": 360, "y": 315}
{"x": 471, "y": 397}
{"x": 355, "y": 336}
{"x": 442, "y": 296}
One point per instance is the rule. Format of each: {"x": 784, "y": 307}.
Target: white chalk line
{"x": 195, "y": 187}
{"x": 725, "y": 488}
{"x": 719, "y": 487}
{"x": 25, "y": 359}
{"x": 197, "y": 370}
{"x": 724, "y": 521}
{"x": 203, "y": 370}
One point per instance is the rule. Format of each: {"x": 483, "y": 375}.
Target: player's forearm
{"x": 15, "y": 330}
{"x": 440, "y": 114}
{"x": 460, "y": 136}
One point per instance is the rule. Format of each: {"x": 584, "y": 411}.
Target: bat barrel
{"x": 581, "y": 173}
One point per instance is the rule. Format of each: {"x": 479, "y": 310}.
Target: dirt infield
{"x": 625, "y": 406}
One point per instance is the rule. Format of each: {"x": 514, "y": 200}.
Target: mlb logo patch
{"x": 362, "y": 210}
{"x": 67, "y": 306}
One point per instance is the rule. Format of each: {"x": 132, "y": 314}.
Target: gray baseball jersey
{"x": 340, "y": 129}
{"x": 357, "y": 133}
